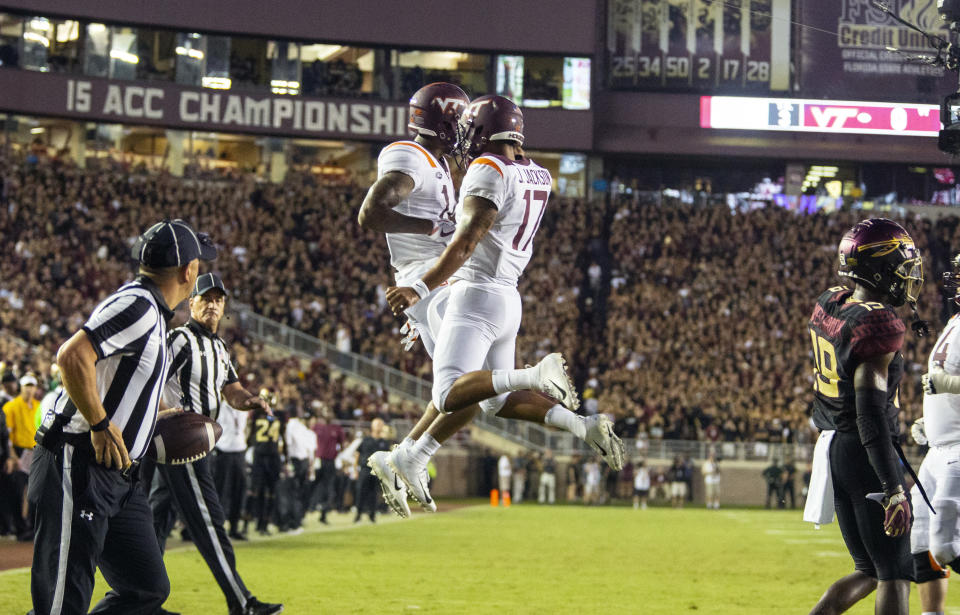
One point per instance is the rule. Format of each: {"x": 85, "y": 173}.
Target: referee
{"x": 83, "y": 479}
{"x": 202, "y": 379}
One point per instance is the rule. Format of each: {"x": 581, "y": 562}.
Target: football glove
{"x": 897, "y": 516}
{"x": 410, "y": 335}
{"x": 928, "y": 387}
{"x": 918, "y": 433}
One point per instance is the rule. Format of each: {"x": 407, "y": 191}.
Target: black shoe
{"x": 323, "y": 518}
{"x": 264, "y": 532}
{"x": 164, "y": 611}
{"x": 255, "y": 607}
{"x": 238, "y": 536}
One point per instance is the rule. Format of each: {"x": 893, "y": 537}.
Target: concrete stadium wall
{"x": 460, "y": 474}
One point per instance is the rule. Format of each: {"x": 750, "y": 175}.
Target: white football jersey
{"x": 520, "y": 190}
{"x": 433, "y": 198}
{"x": 941, "y": 412}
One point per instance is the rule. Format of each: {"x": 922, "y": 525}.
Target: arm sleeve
{"x": 876, "y": 437}
{"x": 875, "y": 333}
{"x": 120, "y": 325}
{"x": 173, "y": 389}
{"x": 402, "y": 158}
{"x": 944, "y": 382}
{"x": 232, "y": 375}
{"x": 485, "y": 179}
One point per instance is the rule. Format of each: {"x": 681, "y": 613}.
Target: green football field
{"x": 526, "y": 559}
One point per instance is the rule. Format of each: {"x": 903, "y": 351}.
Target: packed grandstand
{"x": 682, "y": 321}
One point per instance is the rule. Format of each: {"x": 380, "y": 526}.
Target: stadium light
{"x": 124, "y": 56}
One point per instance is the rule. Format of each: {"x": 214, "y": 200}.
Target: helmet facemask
{"x": 951, "y": 280}
{"x": 908, "y": 279}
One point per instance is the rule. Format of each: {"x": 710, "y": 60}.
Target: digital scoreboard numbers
{"x": 699, "y": 45}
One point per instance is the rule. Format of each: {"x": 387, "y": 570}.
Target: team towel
{"x": 819, "y": 507}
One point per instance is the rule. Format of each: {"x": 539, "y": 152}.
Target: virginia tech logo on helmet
{"x": 449, "y": 105}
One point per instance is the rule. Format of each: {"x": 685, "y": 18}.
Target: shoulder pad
{"x": 489, "y": 161}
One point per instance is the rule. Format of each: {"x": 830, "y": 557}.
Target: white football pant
{"x": 940, "y": 476}
{"x": 478, "y": 331}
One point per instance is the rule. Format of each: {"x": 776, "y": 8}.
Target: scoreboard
{"x": 697, "y": 45}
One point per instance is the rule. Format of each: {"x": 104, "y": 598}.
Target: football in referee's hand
{"x": 182, "y": 437}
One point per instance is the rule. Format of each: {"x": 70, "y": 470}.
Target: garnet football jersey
{"x": 844, "y": 332}
{"x": 519, "y": 189}
{"x": 433, "y": 198}
{"x": 941, "y": 412}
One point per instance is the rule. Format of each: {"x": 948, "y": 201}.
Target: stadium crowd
{"x": 684, "y": 322}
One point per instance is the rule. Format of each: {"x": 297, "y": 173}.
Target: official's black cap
{"x": 208, "y": 282}
{"x": 172, "y": 243}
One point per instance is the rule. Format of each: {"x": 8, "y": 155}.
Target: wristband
{"x": 102, "y": 425}
{"x": 420, "y": 287}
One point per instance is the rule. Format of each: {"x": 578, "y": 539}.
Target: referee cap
{"x": 172, "y": 243}
{"x": 208, "y": 282}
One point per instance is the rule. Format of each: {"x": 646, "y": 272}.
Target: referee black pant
{"x": 190, "y": 488}
{"x": 89, "y": 516}
{"x": 230, "y": 476}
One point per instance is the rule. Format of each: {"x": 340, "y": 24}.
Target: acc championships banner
{"x": 175, "y": 106}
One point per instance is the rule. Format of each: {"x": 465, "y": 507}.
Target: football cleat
{"x": 394, "y": 489}
{"x": 553, "y": 380}
{"x": 414, "y": 477}
{"x": 601, "y": 438}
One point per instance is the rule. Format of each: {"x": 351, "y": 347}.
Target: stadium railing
{"x": 530, "y": 435}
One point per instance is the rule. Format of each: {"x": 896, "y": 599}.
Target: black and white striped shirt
{"x": 128, "y": 331}
{"x": 199, "y": 369}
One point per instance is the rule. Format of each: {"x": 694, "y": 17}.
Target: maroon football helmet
{"x": 490, "y": 118}
{"x": 435, "y": 111}
{"x": 880, "y": 254}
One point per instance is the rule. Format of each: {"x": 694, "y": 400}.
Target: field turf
{"x": 527, "y": 559}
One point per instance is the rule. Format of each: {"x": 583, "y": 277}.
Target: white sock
{"x": 558, "y": 416}
{"x": 932, "y": 613}
{"x": 407, "y": 442}
{"x": 506, "y": 380}
{"x": 424, "y": 449}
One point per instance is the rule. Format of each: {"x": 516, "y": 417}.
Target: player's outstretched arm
{"x": 377, "y": 211}
{"x": 478, "y": 217}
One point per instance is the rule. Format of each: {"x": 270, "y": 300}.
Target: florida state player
{"x": 856, "y": 336}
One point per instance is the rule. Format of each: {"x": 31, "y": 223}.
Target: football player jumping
{"x": 856, "y": 337}
{"x": 935, "y": 539}
{"x": 413, "y": 201}
{"x": 502, "y": 201}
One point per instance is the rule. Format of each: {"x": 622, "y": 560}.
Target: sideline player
{"x": 413, "y": 201}
{"x": 856, "y": 337}
{"x": 935, "y": 539}
{"x": 503, "y": 198}
{"x": 202, "y": 379}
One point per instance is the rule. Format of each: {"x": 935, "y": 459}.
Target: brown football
{"x": 183, "y": 437}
